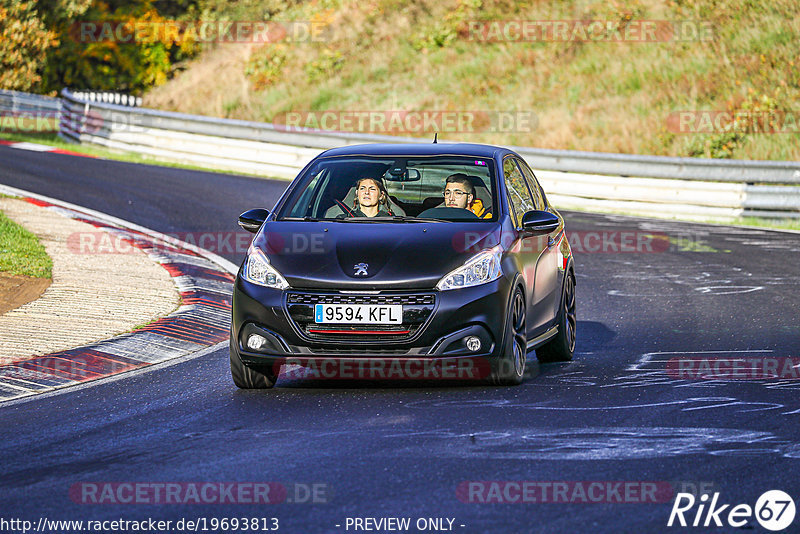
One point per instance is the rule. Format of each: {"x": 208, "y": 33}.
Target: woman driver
{"x": 371, "y": 199}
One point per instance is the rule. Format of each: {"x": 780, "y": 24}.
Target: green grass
{"x": 20, "y": 251}
{"x": 779, "y": 224}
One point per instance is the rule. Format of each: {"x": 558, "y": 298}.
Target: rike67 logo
{"x": 774, "y": 511}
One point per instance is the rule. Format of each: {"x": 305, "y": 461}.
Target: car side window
{"x": 518, "y": 192}
{"x": 308, "y": 204}
{"x": 533, "y": 184}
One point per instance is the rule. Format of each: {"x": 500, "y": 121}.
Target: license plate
{"x": 358, "y": 313}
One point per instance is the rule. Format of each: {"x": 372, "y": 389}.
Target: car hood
{"x": 398, "y": 255}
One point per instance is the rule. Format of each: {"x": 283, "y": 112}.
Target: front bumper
{"x": 438, "y": 335}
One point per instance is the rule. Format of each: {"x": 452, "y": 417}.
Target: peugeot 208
{"x": 430, "y": 254}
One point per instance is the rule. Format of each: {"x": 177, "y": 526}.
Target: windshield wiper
{"x": 392, "y": 218}
{"x": 311, "y": 219}
{"x": 409, "y": 218}
{"x": 363, "y": 219}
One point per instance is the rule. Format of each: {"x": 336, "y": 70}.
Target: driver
{"x": 460, "y": 193}
{"x": 371, "y": 199}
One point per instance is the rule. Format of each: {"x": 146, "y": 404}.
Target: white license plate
{"x": 358, "y": 313}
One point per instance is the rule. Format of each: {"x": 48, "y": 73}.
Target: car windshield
{"x": 395, "y": 189}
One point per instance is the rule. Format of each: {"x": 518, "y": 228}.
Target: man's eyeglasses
{"x": 457, "y": 192}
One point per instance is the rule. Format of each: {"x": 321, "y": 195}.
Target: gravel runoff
{"x": 93, "y": 296}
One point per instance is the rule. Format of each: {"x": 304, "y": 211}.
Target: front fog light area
{"x": 257, "y": 339}
{"x": 256, "y": 342}
{"x": 473, "y": 343}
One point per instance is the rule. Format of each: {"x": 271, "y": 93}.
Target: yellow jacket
{"x": 477, "y": 208}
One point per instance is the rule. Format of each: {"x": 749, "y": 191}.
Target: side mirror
{"x": 251, "y": 220}
{"x": 538, "y": 222}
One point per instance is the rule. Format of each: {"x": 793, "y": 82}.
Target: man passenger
{"x": 460, "y": 193}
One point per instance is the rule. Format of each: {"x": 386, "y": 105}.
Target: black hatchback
{"x": 404, "y": 261}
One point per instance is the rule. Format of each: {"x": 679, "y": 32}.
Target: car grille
{"x": 417, "y": 309}
{"x": 338, "y": 298}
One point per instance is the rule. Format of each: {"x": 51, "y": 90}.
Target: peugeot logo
{"x": 361, "y": 269}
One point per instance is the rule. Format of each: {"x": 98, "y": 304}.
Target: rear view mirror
{"x": 251, "y": 220}
{"x": 402, "y": 174}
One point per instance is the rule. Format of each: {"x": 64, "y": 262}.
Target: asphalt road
{"x": 618, "y": 413}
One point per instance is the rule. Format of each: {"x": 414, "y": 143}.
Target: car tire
{"x": 508, "y": 369}
{"x": 246, "y": 378}
{"x": 562, "y": 347}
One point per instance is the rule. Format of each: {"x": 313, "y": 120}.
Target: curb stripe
{"x": 204, "y": 282}
{"x": 38, "y": 147}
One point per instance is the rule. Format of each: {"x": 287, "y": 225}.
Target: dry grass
{"x": 615, "y": 97}
{"x": 214, "y": 84}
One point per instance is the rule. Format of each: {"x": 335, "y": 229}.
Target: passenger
{"x": 371, "y": 199}
{"x": 460, "y": 193}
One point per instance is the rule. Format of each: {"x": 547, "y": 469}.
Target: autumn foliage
{"x": 43, "y": 49}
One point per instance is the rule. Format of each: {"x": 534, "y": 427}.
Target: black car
{"x": 419, "y": 255}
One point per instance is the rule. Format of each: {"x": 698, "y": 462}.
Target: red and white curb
{"x": 205, "y": 282}
{"x": 37, "y": 147}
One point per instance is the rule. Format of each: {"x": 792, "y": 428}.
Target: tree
{"x": 24, "y": 41}
{"x": 115, "y": 46}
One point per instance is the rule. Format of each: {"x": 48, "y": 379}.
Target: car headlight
{"x": 483, "y": 267}
{"x": 258, "y": 270}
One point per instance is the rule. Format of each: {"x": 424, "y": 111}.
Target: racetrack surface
{"x": 617, "y": 413}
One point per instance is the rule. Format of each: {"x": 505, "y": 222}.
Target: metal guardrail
{"x": 18, "y": 101}
{"x": 650, "y": 185}
{"x": 29, "y": 113}
{"x": 722, "y": 170}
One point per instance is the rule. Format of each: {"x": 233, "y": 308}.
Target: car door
{"x": 527, "y": 248}
{"x": 548, "y": 278}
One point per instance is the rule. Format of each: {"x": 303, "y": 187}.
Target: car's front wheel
{"x": 562, "y": 346}
{"x": 509, "y": 368}
{"x": 246, "y": 378}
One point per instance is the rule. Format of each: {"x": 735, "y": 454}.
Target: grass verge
{"x": 20, "y": 251}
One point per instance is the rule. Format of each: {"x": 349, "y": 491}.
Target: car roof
{"x": 416, "y": 149}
